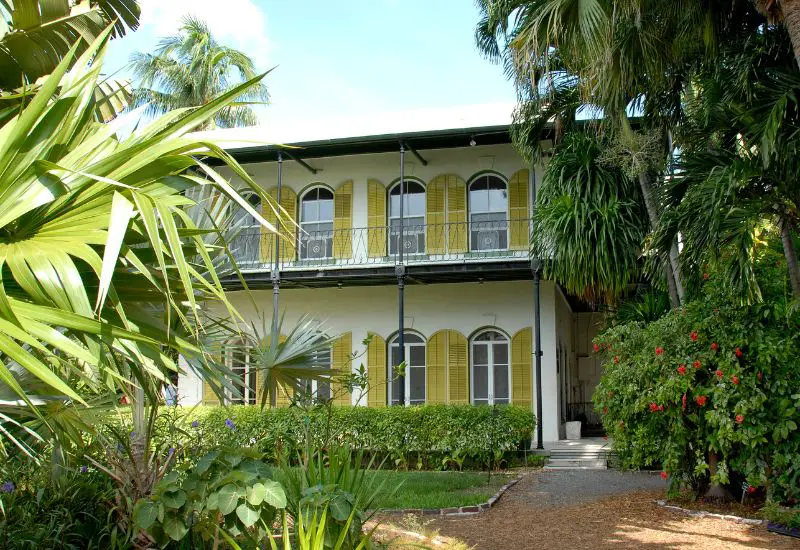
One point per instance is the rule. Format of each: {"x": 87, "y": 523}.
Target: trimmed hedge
{"x": 424, "y": 429}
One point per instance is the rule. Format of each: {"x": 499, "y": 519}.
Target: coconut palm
{"x": 99, "y": 259}
{"x": 190, "y": 69}
{"x": 37, "y": 34}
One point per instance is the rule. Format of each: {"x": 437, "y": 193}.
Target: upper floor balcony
{"x": 323, "y": 247}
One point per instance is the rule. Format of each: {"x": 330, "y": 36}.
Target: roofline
{"x": 379, "y": 143}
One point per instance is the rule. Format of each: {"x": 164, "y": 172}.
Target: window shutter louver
{"x": 435, "y": 215}
{"x": 521, "y": 367}
{"x": 341, "y": 353}
{"x": 209, "y": 397}
{"x": 436, "y": 368}
{"x": 457, "y": 368}
{"x": 376, "y": 219}
{"x": 343, "y": 221}
{"x": 456, "y": 214}
{"x": 376, "y": 371}
{"x": 518, "y": 210}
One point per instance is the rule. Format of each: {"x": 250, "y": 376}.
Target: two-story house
{"x": 457, "y": 244}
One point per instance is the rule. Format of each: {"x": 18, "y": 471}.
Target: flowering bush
{"x": 731, "y": 418}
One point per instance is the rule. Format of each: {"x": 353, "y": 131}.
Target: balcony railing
{"x": 367, "y": 246}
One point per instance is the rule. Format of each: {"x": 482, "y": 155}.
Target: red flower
{"x": 693, "y": 336}
{"x": 683, "y": 400}
{"x": 719, "y": 373}
{"x": 682, "y": 370}
{"x": 653, "y": 407}
{"x": 664, "y": 475}
{"x": 714, "y": 346}
{"x": 738, "y": 352}
{"x": 705, "y": 276}
{"x": 751, "y": 489}
{"x": 735, "y": 379}
{"x": 697, "y": 364}
{"x": 659, "y": 351}
{"x": 616, "y": 358}
{"x": 760, "y": 376}
{"x": 701, "y": 400}
{"x": 739, "y": 418}
{"x": 596, "y": 348}
{"x": 605, "y": 437}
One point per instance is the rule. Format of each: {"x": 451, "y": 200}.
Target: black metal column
{"x": 400, "y": 270}
{"x": 537, "y": 347}
{"x": 276, "y": 272}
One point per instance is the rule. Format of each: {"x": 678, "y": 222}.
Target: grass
{"x": 436, "y": 489}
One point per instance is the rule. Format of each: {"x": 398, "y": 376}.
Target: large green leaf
{"x": 227, "y": 499}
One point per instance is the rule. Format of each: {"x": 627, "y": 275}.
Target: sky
{"x": 344, "y": 63}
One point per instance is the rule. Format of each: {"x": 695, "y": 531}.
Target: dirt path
{"x": 607, "y": 509}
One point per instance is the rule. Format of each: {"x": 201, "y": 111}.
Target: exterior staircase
{"x": 579, "y": 454}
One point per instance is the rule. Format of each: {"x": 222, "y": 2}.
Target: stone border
{"x": 462, "y": 511}
{"x": 704, "y": 514}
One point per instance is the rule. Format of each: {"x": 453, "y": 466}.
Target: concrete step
{"x": 566, "y": 464}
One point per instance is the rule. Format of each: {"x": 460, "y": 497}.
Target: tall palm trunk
{"x": 791, "y": 255}
{"x": 671, "y": 270}
{"x": 791, "y": 19}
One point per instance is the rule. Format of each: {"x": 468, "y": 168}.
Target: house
{"x": 458, "y": 249}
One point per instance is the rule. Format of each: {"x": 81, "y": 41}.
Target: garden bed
{"x": 434, "y": 490}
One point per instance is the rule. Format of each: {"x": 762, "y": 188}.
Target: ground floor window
{"x": 318, "y": 390}
{"x": 414, "y": 380}
{"x": 490, "y": 369}
{"x": 243, "y": 374}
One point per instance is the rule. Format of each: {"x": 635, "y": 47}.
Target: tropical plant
{"x": 36, "y": 35}
{"x": 95, "y": 244}
{"x": 589, "y": 222}
{"x": 190, "y": 69}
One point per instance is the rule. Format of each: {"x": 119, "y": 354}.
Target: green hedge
{"x": 428, "y": 429}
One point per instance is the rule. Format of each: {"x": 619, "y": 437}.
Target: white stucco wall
{"x": 466, "y": 307}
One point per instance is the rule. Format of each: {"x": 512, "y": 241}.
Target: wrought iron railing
{"x": 364, "y": 246}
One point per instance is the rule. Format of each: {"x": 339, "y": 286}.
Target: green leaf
{"x": 340, "y": 507}
{"x": 274, "y": 494}
{"x": 175, "y": 527}
{"x": 174, "y": 499}
{"x": 256, "y": 494}
{"x": 212, "y": 501}
{"x": 247, "y": 515}
{"x": 145, "y": 514}
{"x": 227, "y": 498}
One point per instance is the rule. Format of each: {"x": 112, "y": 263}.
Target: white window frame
{"x": 315, "y": 382}
{"x": 472, "y": 211}
{"x": 248, "y": 396}
{"x": 303, "y": 222}
{"x": 490, "y": 366}
{"x": 390, "y": 217}
{"x": 393, "y": 344}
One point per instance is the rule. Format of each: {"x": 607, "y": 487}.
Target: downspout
{"x": 276, "y": 285}
{"x": 537, "y": 330}
{"x": 400, "y": 271}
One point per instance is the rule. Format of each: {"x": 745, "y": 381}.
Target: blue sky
{"x": 340, "y": 59}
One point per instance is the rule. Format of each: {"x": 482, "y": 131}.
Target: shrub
{"x": 709, "y": 392}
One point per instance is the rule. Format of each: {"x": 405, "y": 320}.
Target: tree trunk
{"x": 791, "y": 19}
{"x": 670, "y": 271}
{"x": 716, "y": 492}
{"x": 791, "y": 255}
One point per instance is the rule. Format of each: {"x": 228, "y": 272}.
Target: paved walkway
{"x": 598, "y": 509}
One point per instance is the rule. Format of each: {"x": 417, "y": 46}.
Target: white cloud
{"x": 238, "y": 23}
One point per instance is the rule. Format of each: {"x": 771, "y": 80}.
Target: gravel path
{"x": 597, "y": 510}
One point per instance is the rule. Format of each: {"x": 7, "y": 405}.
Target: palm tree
{"x": 37, "y": 34}
{"x": 190, "y": 69}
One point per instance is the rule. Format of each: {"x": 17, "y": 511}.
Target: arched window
{"x": 246, "y": 245}
{"x": 490, "y": 375}
{"x": 415, "y": 370}
{"x": 488, "y": 213}
{"x": 243, "y": 374}
{"x": 413, "y": 218}
{"x": 318, "y": 391}
{"x": 316, "y": 223}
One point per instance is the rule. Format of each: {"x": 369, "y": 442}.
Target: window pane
{"x": 251, "y": 387}
{"x": 325, "y": 210}
{"x": 479, "y": 201}
{"x": 309, "y": 211}
{"x": 411, "y": 338}
{"x": 417, "y": 356}
{"x": 394, "y": 205}
{"x": 501, "y": 382}
{"x": 480, "y": 354}
{"x": 417, "y": 383}
{"x": 497, "y": 200}
{"x": 395, "y": 355}
{"x": 323, "y": 390}
{"x": 480, "y": 380}
{"x": 500, "y": 353}
{"x": 395, "y": 391}
{"x": 415, "y": 205}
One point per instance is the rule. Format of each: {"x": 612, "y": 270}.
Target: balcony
{"x": 448, "y": 243}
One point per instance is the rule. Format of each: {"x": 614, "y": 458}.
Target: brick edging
{"x": 704, "y": 514}
{"x": 461, "y": 511}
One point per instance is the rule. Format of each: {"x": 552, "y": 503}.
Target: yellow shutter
{"x": 456, "y": 214}
{"x": 209, "y": 397}
{"x": 343, "y": 221}
{"x": 521, "y": 368}
{"x": 376, "y": 371}
{"x": 436, "y": 368}
{"x": 457, "y": 368}
{"x": 436, "y": 228}
{"x": 288, "y": 229}
{"x": 518, "y": 210}
{"x": 376, "y": 219}
{"x": 341, "y": 356}
{"x": 285, "y": 395}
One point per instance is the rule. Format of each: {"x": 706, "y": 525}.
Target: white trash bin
{"x": 573, "y": 430}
